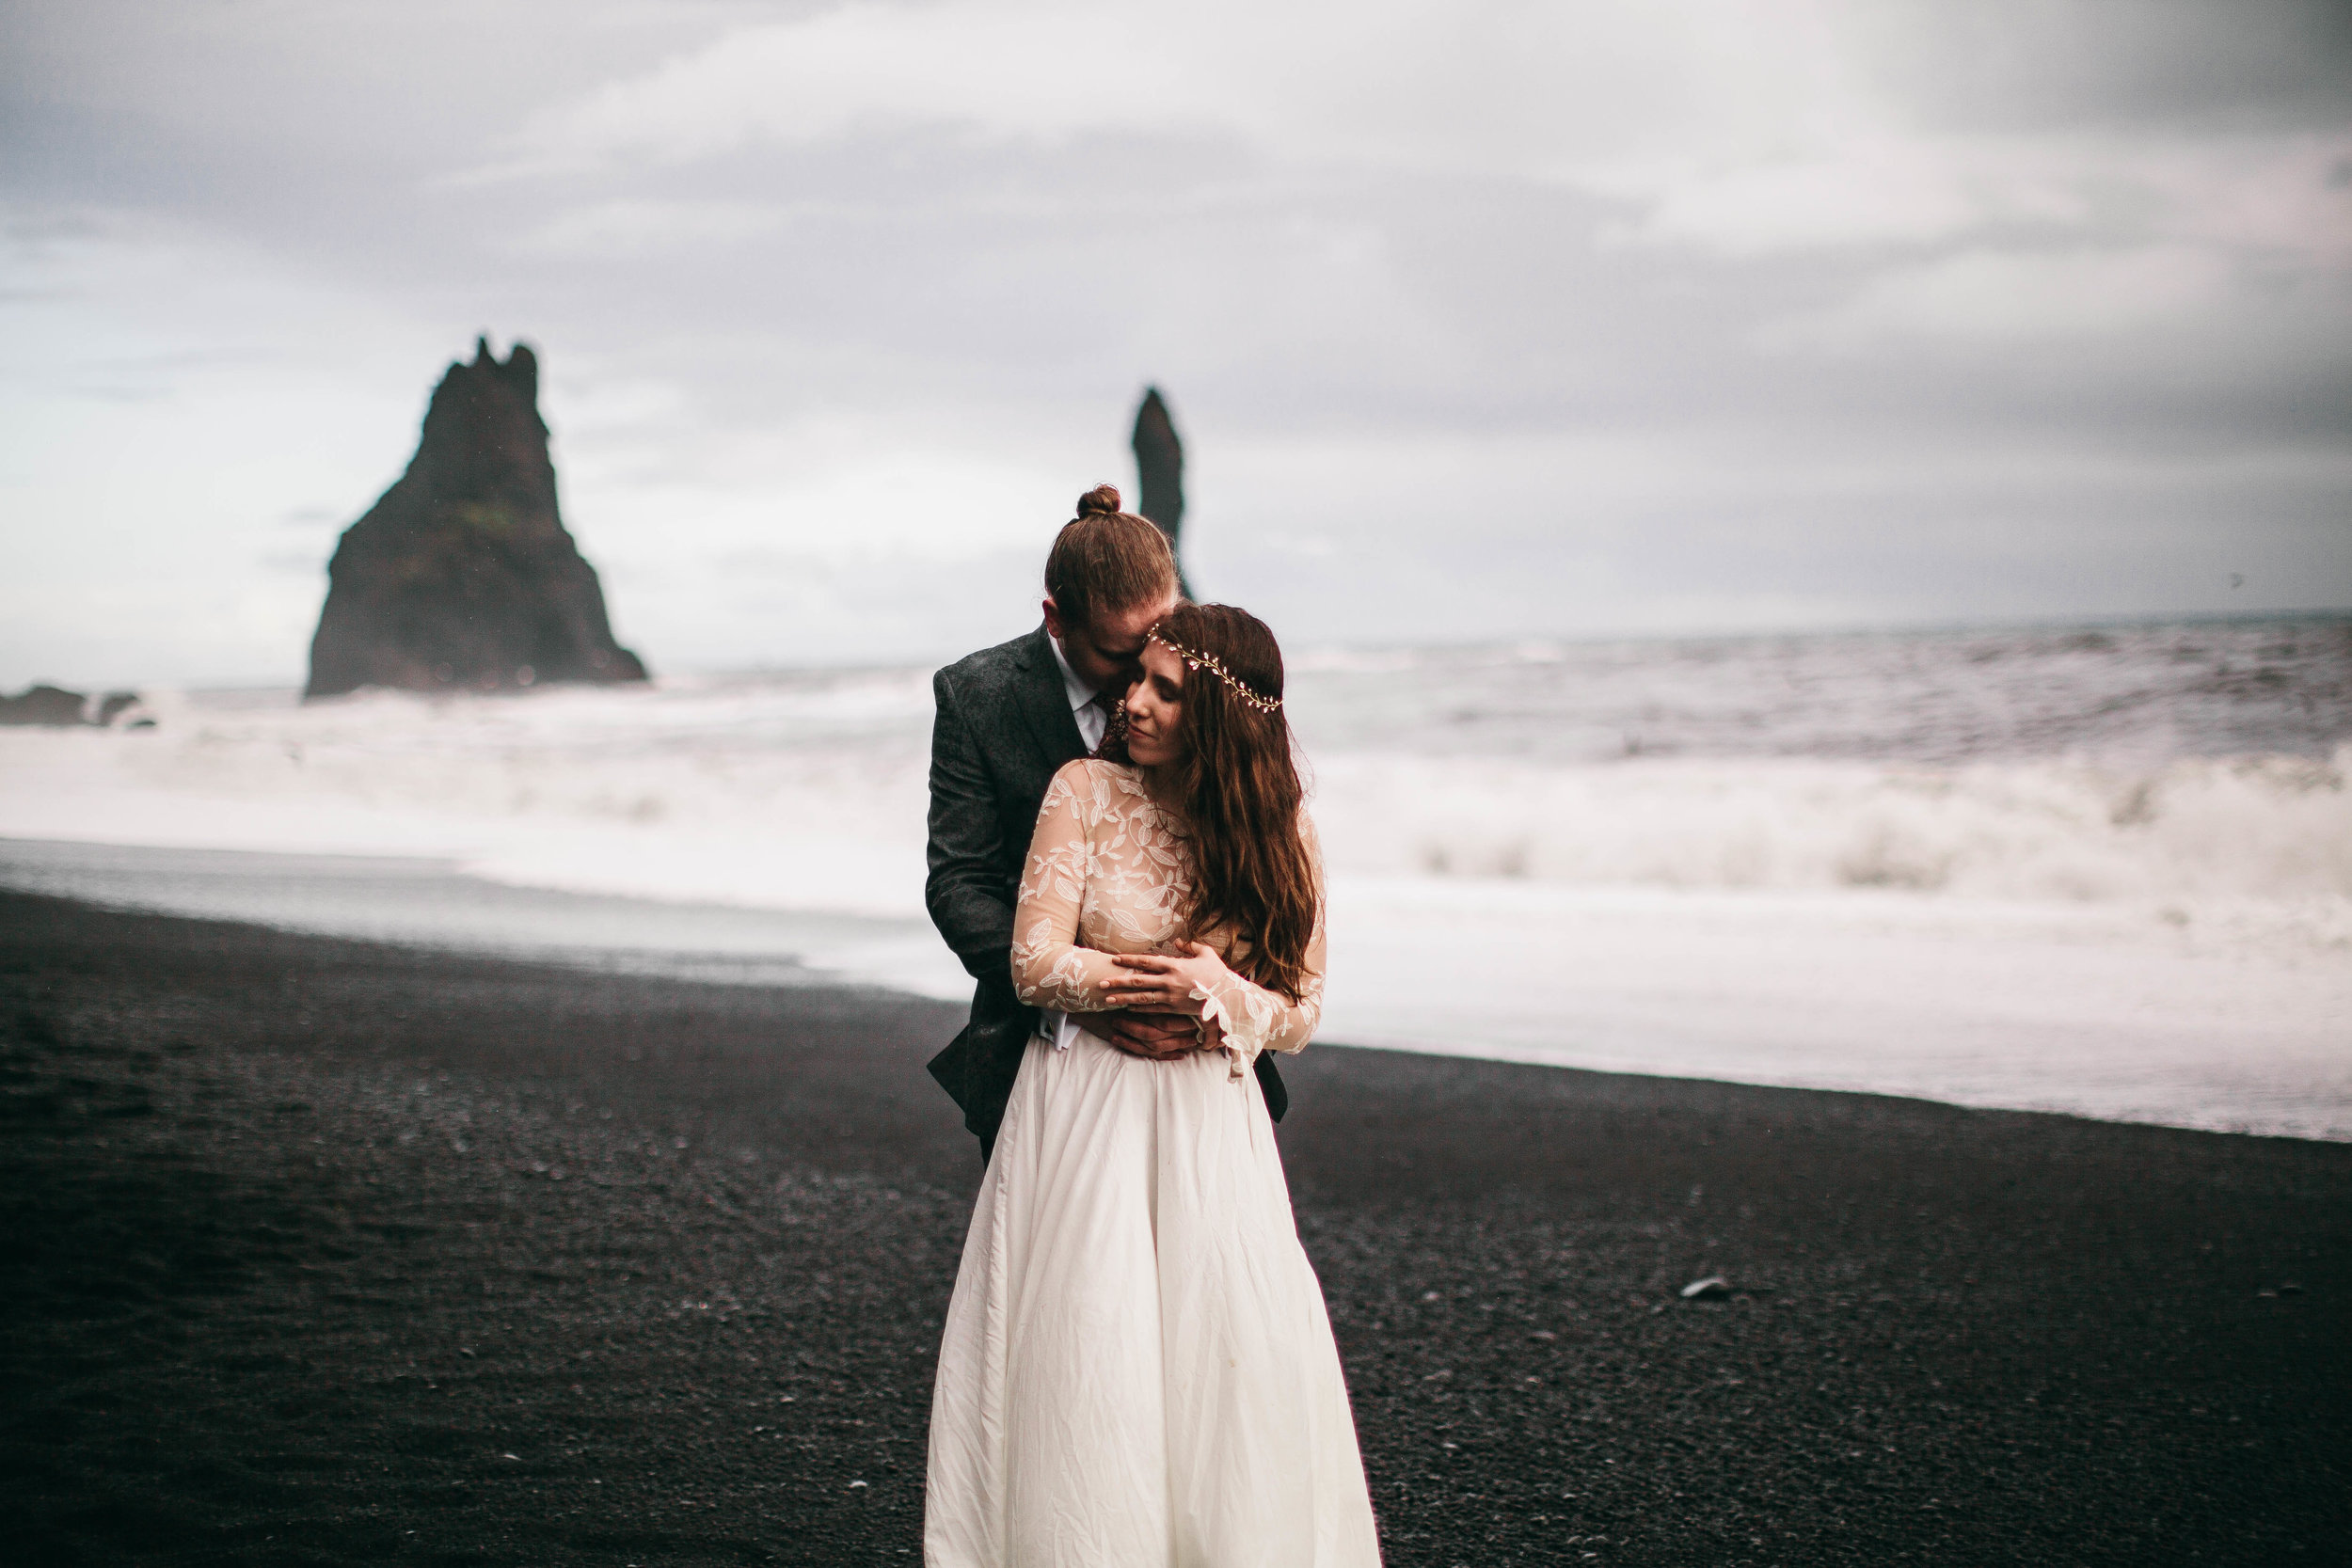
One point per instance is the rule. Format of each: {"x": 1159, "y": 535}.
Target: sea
{"x": 2104, "y": 870}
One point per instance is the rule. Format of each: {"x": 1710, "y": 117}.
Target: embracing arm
{"x": 1255, "y": 1019}
{"x": 1248, "y": 1018}
{"x": 965, "y": 890}
{"x": 1245, "y": 1017}
{"x": 1049, "y": 968}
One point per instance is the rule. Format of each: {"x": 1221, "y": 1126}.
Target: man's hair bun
{"x": 1109, "y": 560}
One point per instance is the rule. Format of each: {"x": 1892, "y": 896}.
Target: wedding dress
{"x": 1137, "y": 1371}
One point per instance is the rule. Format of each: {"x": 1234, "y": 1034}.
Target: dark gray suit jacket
{"x": 1002, "y": 730}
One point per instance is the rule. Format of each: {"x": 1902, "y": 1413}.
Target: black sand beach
{"x": 318, "y": 1252}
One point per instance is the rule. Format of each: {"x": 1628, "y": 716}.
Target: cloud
{"x": 1985, "y": 298}
{"x": 863, "y": 68}
{"x": 1511, "y": 318}
{"x": 2277, "y": 195}
{"x": 2255, "y": 66}
{"x": 639, "y": 228}
{"x": 1535, "y": 90}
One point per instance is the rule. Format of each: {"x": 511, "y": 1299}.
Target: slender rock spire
{"x": 1160, "y": 474}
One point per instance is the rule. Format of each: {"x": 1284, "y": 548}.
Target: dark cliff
{"x": 56, "y": 706}
{"x": 462, "y": 576}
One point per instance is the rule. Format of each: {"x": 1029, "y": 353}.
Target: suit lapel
{"x": 1045, "y": 703}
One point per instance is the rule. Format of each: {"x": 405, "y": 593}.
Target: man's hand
{"x": 1156, "y": 1037}
{"x": 1168, "y": 982}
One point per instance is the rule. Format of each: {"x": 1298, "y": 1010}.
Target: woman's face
{"x": 1156, "y": 709}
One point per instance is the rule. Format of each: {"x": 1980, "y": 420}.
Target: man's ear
{"x": 1053, "y": 621}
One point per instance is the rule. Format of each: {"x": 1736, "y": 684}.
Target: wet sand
{"x": 324, "y": 1252}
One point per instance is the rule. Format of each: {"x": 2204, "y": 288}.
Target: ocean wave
{"x": 809, "y": 792}
{"x": 2264, "y": 827}
{"x": 2160, "y": 931}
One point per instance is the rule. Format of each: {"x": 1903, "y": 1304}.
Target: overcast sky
{"x": 1479, "y": 319}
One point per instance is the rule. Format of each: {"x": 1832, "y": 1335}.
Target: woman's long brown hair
{"x": 1236, "y": 786}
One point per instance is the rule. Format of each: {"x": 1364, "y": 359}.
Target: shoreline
{"x": 1688, "y": 987}
{"x": 330, "y": 1251}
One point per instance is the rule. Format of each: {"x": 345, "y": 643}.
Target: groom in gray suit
{"x": 1009, "y": 718}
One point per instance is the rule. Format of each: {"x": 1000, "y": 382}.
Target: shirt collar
{"x": 1079, "y": 693}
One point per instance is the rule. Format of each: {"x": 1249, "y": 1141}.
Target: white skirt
{"x": 1138, "y": 1370}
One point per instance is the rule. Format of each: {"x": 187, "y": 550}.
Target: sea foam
{"x": 810, "y": 793}
{"x": 2108, "y": 872}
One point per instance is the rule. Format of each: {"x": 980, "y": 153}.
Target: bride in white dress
{"x": 1137, "y": 1371}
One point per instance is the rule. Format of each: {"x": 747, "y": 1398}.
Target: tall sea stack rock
{"x": 1160, "y": 473}
{"x": 462, "y": 576}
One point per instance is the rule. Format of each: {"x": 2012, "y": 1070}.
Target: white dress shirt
{"x": 1091, "y": 720}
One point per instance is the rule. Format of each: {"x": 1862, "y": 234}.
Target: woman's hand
{"x": 1164, "y": 983}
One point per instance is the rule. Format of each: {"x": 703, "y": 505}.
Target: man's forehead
{"x": 1126, "y": 633}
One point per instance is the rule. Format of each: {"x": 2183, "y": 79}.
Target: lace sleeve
{"x": 1255, "y": 1019}
{"x": 1049, "y": 968}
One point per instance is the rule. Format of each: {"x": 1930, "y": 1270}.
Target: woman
{"x": 1137, "y": 1371}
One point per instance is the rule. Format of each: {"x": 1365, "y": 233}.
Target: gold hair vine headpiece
{"x": 1194, "y": 660}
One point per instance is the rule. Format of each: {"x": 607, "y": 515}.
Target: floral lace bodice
{"x": 1108, "y": 872}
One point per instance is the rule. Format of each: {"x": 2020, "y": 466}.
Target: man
{"x": 1009, "y": 718}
